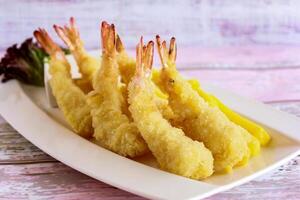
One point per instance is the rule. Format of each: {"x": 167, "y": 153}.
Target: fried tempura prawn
{"x": 253, "y": 128}
{"x": 200, "y": 121}
{"x": 113, "y": 129}
{"x": 253, "y": 142}
{"x": 70, "y": 99}
{"x": 127, "y": 67}
{"x": 87, "y": 64}
{"x": 174, "y": 151}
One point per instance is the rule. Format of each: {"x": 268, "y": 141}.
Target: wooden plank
{"x": 15, "y": 149}
{"x": 288, "y": 106}
{"x": 217, "y": 34}
{"x": 209, "y": 23}
{"x": 263, "y": 85}
{"x": 5, "y": 127}
{"x": 53, "y": 181}
{"x": 237, "y": 57}
{"x": 210, "y": 33}
{"x": 57, "y": 181}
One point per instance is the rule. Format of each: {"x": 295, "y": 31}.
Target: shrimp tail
{"x": 108, "y": 35}
{"x": 161, "y": 51}
{"x": 144, "y": 58}
{"x": 173, "y": 50}
{"x": 48, "y": 44}
{"x": 69, "y": 34}
{"x": 119, "y": 44}
{"x": 139, "y": 59}
{"x": 167, "y": 56}
{"x": 148, "y": 57}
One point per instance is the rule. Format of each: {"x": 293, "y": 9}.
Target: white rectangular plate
{"x": 27, "y": 110}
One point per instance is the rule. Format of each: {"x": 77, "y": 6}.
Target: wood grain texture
{"x": 205, "y": 22}
{"x": 15, "y": 149}
{"x": 263, "y": 85}
{"x": 216, "y": 33}
{"x": 53, "y": 181}
{"x": 57, "y": 181}
{"x": 27, "y": 172}
{"x": 238, "y": 57}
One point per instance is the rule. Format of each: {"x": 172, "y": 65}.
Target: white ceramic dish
{"x": 27, "y": 110}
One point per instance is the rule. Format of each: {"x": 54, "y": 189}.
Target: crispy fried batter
{"x": 174, "y": 151}
{"x": 113, "y": 129}
{"x": 70, "y": 99}
{"x": 198, "y": 120}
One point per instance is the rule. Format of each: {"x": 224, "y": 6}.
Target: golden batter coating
{"x": 174, "y": 151}
{"x": 70, "y": 99}
{"x": 200, "y": 121}
{"x": 113, "y": 129}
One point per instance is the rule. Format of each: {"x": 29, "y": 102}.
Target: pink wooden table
{"x": 250, "y": 48}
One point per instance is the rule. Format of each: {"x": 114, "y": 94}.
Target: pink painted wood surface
{"x": 214, "y": 33}
{"x": 206, "y": 22}
{"x": 246, "y": 57}
{"x": 57, "y": 181}
{"x": 263, "y": 85}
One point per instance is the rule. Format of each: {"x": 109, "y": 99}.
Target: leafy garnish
{"x": 24, "y": 63}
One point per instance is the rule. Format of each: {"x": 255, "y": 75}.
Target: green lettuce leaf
{"x": 24, "y": 63}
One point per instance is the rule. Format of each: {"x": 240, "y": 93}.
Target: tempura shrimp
{"x": 200, "y": 121}
{"x": 127, "y": 67}
{"x": 174, "y": 151}
{"x": 112, "y": 128}
{"x": 87, "y": 64}
{"x": 70, "y": 99}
